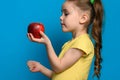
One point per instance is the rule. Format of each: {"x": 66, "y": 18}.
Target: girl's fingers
{"x": 31, "y": 65}
{"x": 32, "y": 68}
{"x": 28, "y": 36}
{"x": 43, "y": 34}
{"x": 39, "y": 40}
{"x": 31, "y": 37}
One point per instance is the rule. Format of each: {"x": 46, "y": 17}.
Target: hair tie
{"x": 92, "y": 1}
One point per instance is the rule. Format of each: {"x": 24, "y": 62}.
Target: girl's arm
{"x": 69, "y": 58}
{"x": 47, "y": 72}
{"x": 37, "y": 67}
{"x": 58, "y": 65}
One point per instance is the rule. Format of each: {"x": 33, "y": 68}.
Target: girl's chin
{"x": 64, "y": 30}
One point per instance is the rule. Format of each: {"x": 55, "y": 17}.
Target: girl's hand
{"x": 34, "y": 66}
{"x": 44, "y": 39}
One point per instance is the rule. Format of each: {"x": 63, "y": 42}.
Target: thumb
{"x": 43, "y": 34}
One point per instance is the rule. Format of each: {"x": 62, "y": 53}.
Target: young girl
{"x": 76, "y": 56}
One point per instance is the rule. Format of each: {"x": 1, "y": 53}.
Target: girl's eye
{"x": 66, "y": 14}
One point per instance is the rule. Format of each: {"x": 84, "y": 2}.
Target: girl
{"x": 76, "y": 56}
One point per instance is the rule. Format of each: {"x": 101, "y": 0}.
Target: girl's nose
{"x": 61, "y": 18}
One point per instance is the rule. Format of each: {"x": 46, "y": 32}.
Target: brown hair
{"x": 97, "y": 35}
{"x": 96, "y": 17}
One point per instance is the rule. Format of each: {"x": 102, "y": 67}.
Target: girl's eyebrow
{"x": 64, "y": 10}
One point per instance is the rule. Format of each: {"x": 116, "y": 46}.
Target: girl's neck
{"x": 76, "y": 34}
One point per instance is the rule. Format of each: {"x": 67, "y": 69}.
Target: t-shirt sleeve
{"x": 84, "y": 45}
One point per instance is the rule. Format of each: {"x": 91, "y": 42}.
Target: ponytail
{"x": 97, "y": 35}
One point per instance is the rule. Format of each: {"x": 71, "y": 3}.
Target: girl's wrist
{"x": 48, "y": 43}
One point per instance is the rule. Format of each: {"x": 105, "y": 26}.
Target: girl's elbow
{"x": 58, "y": 70}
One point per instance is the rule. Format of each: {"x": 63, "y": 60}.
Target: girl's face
{"x": 70, "y": 17}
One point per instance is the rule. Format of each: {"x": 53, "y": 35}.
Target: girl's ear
{"x": 84, "y": 18}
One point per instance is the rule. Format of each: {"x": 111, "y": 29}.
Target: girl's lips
{"x": 62, "y": 24}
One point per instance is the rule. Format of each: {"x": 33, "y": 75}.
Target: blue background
{"x": 16, "y": 49}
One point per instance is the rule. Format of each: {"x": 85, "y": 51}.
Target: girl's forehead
{"x": 68, "y": 5}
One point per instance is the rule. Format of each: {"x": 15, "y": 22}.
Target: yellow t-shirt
{"x": 80, "y": 70}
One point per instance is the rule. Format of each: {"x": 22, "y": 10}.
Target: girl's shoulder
{"x": 65, "y": 44}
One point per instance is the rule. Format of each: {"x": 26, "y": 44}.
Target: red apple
{"x": 35, "y": 29}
